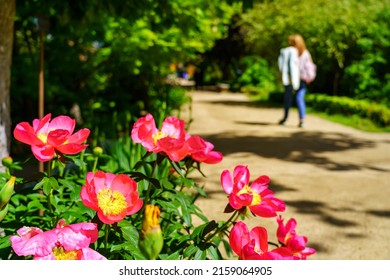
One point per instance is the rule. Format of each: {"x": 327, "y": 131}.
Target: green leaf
{"x": 20, "y": 208}
{"x": 4, "y": 242}
{"x": 213, "y": 252}
{"x": 53, "y": 183}
{"x": 176, "y": 167}
{"x": 79, "y": 162}
{"x": 129, "y": 232}
{"x": 167, "y": 184}
{"x": 40, "y": 183}
{"x": 184, "y": 208}
{"x": 201, "y": 231}
{"x": 190, "y": 250}
{"x": 66, "y": 183}
{"x": 174, "y": 256}
{"x": 81, "y": 208}
{"x": 46, "y": 188}
{"x": 200, "y": 254}
{"x": 33, "y": 205}
{"x": 200, "y": 190}
{"x": 130, "y": 248}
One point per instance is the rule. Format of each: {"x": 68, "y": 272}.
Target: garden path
{"x": 335, "y": 180}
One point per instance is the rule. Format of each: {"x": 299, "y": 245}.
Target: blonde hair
{"x": 297, "y": 41}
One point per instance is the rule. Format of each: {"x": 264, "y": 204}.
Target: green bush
{"x": 378, "y": 113}
{"x": 257, "y": 78}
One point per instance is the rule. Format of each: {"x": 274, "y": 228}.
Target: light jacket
{"x": 288, "y": 63}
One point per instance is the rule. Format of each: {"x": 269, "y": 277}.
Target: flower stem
{"x": 95, "y": 164}
{"x": 106, "y": 233}
{"x": 231, "y": 220}
{"x": 49, "y": 168}
{"x": 273, "y": 244}
{"x": 82, "y": 159}
{"x": 49, "y": 171}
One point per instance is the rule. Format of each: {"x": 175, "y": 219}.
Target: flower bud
{"x": 7, "y": 161}
{"x": 6, "y": 191}
{"x": 151, "y": 239}
{"x": 97, "y": 151}
{"x": 3, "y": 212}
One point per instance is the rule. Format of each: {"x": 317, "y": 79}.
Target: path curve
{"x": 335, "y": 180}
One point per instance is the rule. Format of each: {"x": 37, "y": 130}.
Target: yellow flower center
{"x": 111, "y": 202}
{"x": 60, "y": 254}
{"x": 42, "y": 137}
{"x": 258, "y": 250}
{"x": 157, "y": 136}
{"x": 256, "y": 198}
{"x": 288, "y": 236}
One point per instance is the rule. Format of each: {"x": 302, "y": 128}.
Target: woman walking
{"x": 298, "y": 70}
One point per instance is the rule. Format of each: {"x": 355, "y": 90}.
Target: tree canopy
{"x": 109, "y": 59}
{"x": 108, "y": 56}
{"x": 349, "y": 41}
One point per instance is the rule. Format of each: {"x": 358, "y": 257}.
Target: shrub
{"x": 378, "y": 113}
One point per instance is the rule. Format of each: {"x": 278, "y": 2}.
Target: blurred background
{"x": 105, "y": 63}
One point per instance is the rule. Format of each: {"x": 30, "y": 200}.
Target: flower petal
{"x": 24, "y": 133}
{"x": 239, "y": 236}
{"x": 62, "y": 122}
{"x": 226, "y": 181}
{"x": 43, "y": 153}
{"x": 80, "y": 136}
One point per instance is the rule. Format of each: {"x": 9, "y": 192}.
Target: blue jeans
{"x": 299, "y": 99}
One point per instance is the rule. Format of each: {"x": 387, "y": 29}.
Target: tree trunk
{"x": 7, "y": 16}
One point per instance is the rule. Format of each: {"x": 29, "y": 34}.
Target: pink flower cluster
{"x": 253, "y": 244}
{"x": 65, "y": 242}
{"x": 256, "y": 196}
{"x": 288, "y": 237}
{"x": 112, "y": 196}
{"x": 49, "y": 138}
{"x": 173, "y": 141}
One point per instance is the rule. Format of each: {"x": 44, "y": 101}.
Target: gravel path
{"x": 335, "y": 180}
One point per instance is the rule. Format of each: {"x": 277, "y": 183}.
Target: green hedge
{"x": 378, "y": 113}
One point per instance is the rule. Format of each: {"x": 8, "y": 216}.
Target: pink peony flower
{"x": 112, "y": 196}
{"x": 256, "y": 196}
{"x": 253, "y": 244}
{"x": 47, "y": 138}
{"x": 287, "y": 236}
{"x": 202, "y": 151}
{"x": 65, "y": 242}
{"x": 143, "y": 131}
{"x": 170, "y": 140}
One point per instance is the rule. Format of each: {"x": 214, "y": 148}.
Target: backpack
{"x": 311, "y": 70}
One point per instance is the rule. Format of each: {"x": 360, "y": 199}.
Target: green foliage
{"x": 128, "y": 201}
{"x": 377, "y": 113}
{"x": 349, "y": 41}
{"x": 107, "y": 58}
{"x": 257, "y": 77}
{"x": 58, "y": 197}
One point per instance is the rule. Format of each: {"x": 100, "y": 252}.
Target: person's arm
{"x": 294, "y": 68}
{"x": 280, "y": 60}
